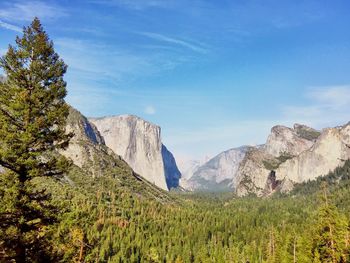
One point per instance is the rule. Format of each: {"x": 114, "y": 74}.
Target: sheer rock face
{"x": 172, "y": 173}
{"x": 287, "y": 141}
{"x": 257, "y": 172}
{"x": 329, "y": 151}
{"x": 254, "y": 171}
{"x": 217, "y": 174}
{"x": 138, "y": 142}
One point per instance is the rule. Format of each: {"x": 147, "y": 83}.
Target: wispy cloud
{"x": 176, "y": 41}
{"x": 111, "y": 61}
{"x": 150, "y": 110}
{"x": 327, "y": 106}
{"x": 27, "y": 10}
{"x": 10, "y": 26}
{"x": 138, "y": 4}
{"x": 331, "y": 96}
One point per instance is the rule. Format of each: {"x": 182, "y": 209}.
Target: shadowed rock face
{"x": 172, "y": 173}
{"x": 138, "y": 142}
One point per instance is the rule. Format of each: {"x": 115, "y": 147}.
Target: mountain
{"x": 138, "y": 142}
{"x": 96, "y": 163}
{"x": 283, "y": 140}
{"x": 256, "y": 173}
{"x": 289, "y": 156}
{"x": 293, "y": 156}
{"x": 217, "y": 174}
{"x": 331, "y": 149}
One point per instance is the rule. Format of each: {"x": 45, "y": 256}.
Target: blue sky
{"x": 213, "y": 74}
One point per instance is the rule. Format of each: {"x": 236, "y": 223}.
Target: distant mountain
{"x": 139, "y": 143}
{"x": 217, "y": 174}
{"x": 289, "y": 156}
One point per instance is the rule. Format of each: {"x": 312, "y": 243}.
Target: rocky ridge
{"x": 289, "y": 156}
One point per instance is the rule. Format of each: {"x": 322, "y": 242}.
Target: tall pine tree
{"x": 32, "y": 127}
{"x": 330, "y": 233}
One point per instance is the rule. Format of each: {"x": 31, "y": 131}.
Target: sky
{"x": 213, "y": 75}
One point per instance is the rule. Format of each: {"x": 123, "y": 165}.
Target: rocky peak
{"x": 287, "y": 141}
{"x": 306, "y": 132}
{"x": 329, "y": 151}
{"x": 139, "y": 143}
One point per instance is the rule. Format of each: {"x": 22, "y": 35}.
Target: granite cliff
{"x": 138, "y": 142}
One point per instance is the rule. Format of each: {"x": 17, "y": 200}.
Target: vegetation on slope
{"x": 102, "y": 221}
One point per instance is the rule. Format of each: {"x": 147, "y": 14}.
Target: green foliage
{"x": 121, "y": 226}
{"x": 330, "y": 234}
{"x": 308, "y": 134}
{"x": 32, "y": 126}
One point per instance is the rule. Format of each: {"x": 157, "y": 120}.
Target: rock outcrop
{"x": 286, "y": 141}
{"x": 257, "y": 172}
{"x": 293, "y": 156}
{"x": 138, "y": 142}
{"x": 254, "y": 171}
{"x": 290, "y": 156}
{"x": 86, "y": 148}
{"x": 330, "y": 150}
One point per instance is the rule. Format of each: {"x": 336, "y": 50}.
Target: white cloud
{"x": 27, "y": 10}
{"x": 194, "y": 47}
{"x": 10, "y": 26}
{"x": 327, "y": 106}
{"x": 150, "y": 110}
{"x": 331, "y": 96}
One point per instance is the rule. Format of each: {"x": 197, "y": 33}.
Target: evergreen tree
{"x": 331, "y": 232}
{"x": 32, "y": 127}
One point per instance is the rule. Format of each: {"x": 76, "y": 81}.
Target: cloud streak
{"x": 327, "y": 106}
{"x": 175, "y": 41}
{"x": 27, "y": 10}
{"x": 10, "y": 26}
{"x": 138, "y": 4}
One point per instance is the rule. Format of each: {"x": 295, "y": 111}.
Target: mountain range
{"x": 289, "y": 156}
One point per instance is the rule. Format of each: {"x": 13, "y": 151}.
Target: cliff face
{"x": 330, "y": 150}
{"x": 258, "y": 173}
{"x": 172, "y": 173}
{"x": 138, "y": 142}
{"x": 92, "y": 157}
{"x": 254, "y": 171}
{"x": 293, "y": 156}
